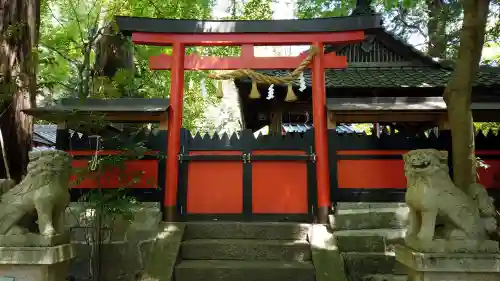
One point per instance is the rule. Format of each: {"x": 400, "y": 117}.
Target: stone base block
{"x": 35, "y": 263}
{"x": 163, "y": 256}
{"x": 449, "y": 266}
{"x": 34, "y": 240}
{"x": 328, "y": 262}
{"x": 6, "y": 185}
{"x": 453, "y": 246}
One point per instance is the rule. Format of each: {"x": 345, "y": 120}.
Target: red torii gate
{"x": 247, "y": 34}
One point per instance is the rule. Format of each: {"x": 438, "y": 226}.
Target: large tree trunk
{"x": 458, "y": 91}
{"x": 19, "y": 27}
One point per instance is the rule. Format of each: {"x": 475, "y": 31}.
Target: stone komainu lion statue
{"x": 434, "y": 200}
{"x": 44, "y": 190}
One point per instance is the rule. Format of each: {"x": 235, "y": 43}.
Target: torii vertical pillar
{"x": 320, "y": 135}
{"x": 174, "y": 131}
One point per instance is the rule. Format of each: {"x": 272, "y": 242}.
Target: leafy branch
{"x": 61, "y": 54}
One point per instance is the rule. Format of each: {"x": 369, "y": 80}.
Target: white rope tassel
{"x": 95, "y": 157}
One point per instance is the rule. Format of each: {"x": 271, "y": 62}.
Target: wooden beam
{"x": 276, "y": 121}
{"x": 234, "y": 39}
{"x": 134, "y": 118}
{"x": 62, "y": 125}
{"x": 164, "y": 121}
{"x": 331, "y": 121}
{"x": 486, "y": 115}
{"x": 443, "y": 123}
{"x": 387, "y": 116}
{"x": 195, "y": 62}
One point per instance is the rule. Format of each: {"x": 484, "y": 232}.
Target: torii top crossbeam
{"x": 130, "y": 25}
{"x": 182, "y": 33}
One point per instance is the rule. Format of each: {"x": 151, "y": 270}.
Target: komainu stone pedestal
{"x": 449, "y": 266}
{"x": 43, "y": 259}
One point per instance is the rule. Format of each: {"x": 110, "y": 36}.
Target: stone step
{"x": 369, "y": 205}
{"x": 223, "y": 270}
{"x": 362, "y": 264}
{"x": 385, "y": 277}
{"x": 247, "y": 230}
{"x": 369, "y": 240}
{"x": 352, "y": 219}
{"x": 245, "y": 249}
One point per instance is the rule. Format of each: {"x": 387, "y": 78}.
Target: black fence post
{"x": 312, "y": 198}
{"x": 332, "y": 161}
{"x": 182, "y": 185}
{"x": 62, "y": 137}
{"x": 162, "y": 139}
{"x": 247, "y": 143}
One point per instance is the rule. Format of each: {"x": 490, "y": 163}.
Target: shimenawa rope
{"x": 259, "y": 78}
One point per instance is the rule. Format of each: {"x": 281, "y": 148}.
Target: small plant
{"x": 480, "y": 164}
{"x": 104, "y": 206}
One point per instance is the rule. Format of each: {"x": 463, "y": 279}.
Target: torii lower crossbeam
{"x": 247, "y": 60}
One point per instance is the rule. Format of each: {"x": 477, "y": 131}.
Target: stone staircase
{"x": 237, "y": 251}
{"x": 366, "y": 234}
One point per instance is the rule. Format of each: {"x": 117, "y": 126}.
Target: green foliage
{"x": 105, "y": 206}
{"x": 113, "y": 202}
{"x": 334, "y": 8}
{"x": 403, "y": 18}
{"x": 493, "y": 36}
{"x": 257, "y": 10}
{"x": 70, "y": 31}
{"x": 365, "y": 127}
{"x": 324, "y": 8}
{"x": 486, "y": 127}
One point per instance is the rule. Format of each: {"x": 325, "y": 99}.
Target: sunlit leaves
{"x": 70, "y": 29}
{"x": 257, "y": 9}
{"x": 335, "y": 8}
{"x": 324, "y": 8}
{"x": 404, "y": 18}
{"x": 69, "y": 33}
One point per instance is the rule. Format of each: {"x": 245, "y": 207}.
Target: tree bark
{"x": 113, "y": 53}
{"x": 436, "y": 28}
{"x": 19, "y": 31}
{"x": 457, "y": 93}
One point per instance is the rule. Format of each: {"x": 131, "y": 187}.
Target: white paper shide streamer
{"x": 302, "y": 82}
{"x": 270, "y": 92}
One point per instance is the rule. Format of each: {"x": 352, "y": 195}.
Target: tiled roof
{"x": 45, "y": 134}
{"x": 109, "y": 105}
{"x": 395, "y": 77}
{"x": 386, "y": 103}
